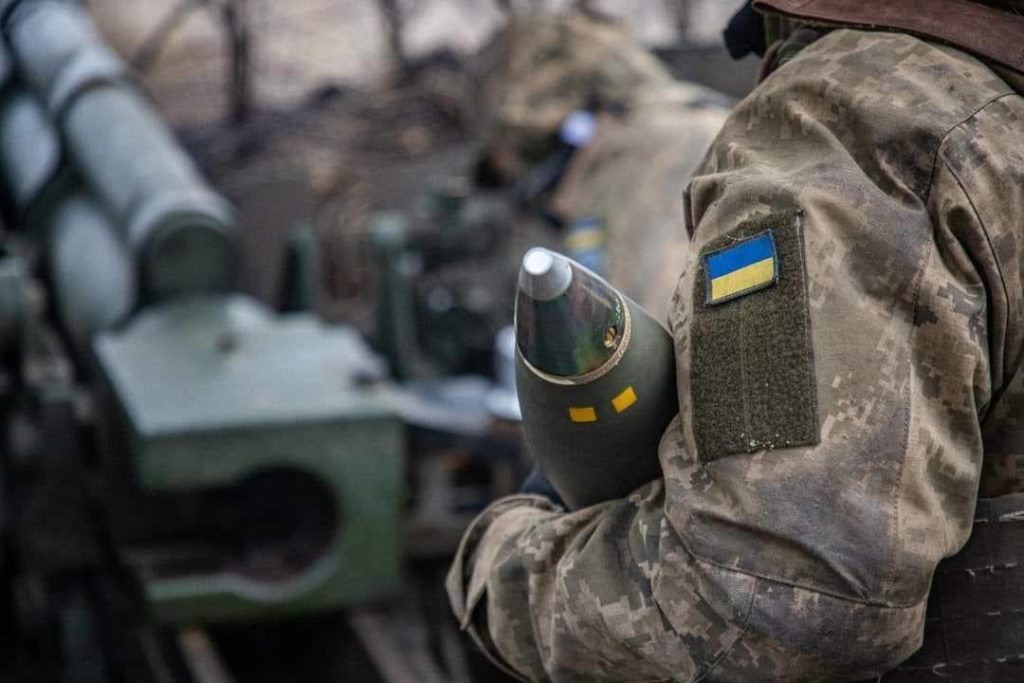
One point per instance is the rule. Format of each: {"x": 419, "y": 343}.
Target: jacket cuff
{"x": 465, "y": 587}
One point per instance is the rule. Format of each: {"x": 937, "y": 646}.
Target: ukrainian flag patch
{"x": 740, "y": 268}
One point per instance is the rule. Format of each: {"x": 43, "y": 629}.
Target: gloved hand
{"x": 538, "y": 484}
{"x": 745, "y": 33}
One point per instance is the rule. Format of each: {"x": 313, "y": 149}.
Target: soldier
{"x": 543, "y": 73}
{"x": 841, "y": 407}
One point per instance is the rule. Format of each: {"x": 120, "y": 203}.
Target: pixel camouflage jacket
{"x": 835, "y": 424}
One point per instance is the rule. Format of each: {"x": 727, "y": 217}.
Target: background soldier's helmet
{"x": 538, "y": 69}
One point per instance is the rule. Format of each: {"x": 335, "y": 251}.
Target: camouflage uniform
{"x": 629, "y": 178}
{"x": 899, "y": 167}
{"x": 537, "y": 71}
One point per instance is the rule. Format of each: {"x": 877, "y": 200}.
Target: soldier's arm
{"x": 828, "y": 447}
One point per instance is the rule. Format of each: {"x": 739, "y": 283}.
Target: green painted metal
{"x": 91, "y": 293}
{"x": 302, "y": 275}
{"x": 88, "y": 168}
{"x": 397, "y": 265}
{"x": 235, "y": 391}
{"x": 595, "y": 433}
{"x": 180, "y": 232}
{"x": 30, "y": 151}
{"x": 214, "y": 391}
{"x": 13, "y": 304}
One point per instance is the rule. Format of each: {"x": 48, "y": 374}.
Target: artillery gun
{"x": 231, "y": 462}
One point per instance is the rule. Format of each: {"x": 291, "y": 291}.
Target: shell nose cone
{"x": 569, "y": 321}
{"x": 544, "y": 274}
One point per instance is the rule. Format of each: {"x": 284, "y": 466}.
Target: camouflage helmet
{"x": 538, "y": 69}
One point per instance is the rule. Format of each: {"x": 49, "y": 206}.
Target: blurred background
{"x": 256, "y": 287}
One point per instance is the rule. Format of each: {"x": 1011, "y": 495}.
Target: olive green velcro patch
{"x": 753, "y": 366}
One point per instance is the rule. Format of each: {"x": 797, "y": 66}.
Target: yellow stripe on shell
{"x": 624, "y": 400}
{"x": 582, "y": 414}
{"x": 753, "y": 275}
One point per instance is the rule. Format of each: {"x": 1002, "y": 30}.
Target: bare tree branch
{"x": 684, "y": 15}
{"x": 394, "y": 22}
{"x": 236, "y": 26}
{"x": 152, "y": 45}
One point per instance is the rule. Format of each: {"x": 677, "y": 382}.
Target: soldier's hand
{"x": 538, "y": 484}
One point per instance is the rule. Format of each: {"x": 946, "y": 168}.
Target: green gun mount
{"x": 179, "y": 232}
{"x": 213, "y": 392}
{"x": 250, "y": 463}
{"x": 88, "y": 168}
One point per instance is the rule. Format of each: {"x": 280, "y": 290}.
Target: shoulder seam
{"x": 889, "y": 588}
{"x": 758, "y": 581}
{"x": 952, "y": 128}
{"x": 991, "y": 247}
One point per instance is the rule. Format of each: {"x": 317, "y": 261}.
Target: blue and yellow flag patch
{"x": 741, "y": 268}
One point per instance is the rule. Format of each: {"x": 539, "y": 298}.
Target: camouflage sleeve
{"x": 827, "y": 451}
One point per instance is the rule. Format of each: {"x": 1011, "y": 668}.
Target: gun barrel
{"x": 178, "y": 230}
{"x": 94, "y": 281}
